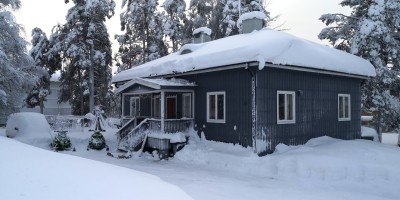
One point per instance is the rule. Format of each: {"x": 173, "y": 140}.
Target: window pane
{"x": 346, "y": 107}
{"x": 157, "y": 106}
{"x": 341, "y": 107}
{"x": 186, "y": 106}
{"x": 211, "y": 109}
{"x": 134, "y": 106}
{"x": 281, "y": 106}
{"x": 127, "y": 106}
{"x": 289, "y": 100}
{"x": 220, "y": 106}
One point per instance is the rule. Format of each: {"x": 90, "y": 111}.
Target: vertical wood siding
{"x": 237, "y": 86}
{"x": 316, "y": 107}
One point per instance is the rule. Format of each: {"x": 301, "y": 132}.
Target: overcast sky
{"x": 299, "y": 16}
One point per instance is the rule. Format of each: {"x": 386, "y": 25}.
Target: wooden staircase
{"x": 134, "y": 138}
{"x": 131, "y": 137}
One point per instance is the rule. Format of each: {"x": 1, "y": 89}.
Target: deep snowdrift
{"x": 320, "y": 159}
{"x": 31, "y": 173}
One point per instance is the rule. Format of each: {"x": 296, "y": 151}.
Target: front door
{"x": 135, "y": 106}
{"x": 171, "y": 107}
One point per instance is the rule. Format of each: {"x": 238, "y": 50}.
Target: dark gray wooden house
{"x": 257, "y": 90}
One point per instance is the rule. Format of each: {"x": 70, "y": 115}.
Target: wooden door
{"x": 171, "y": 107}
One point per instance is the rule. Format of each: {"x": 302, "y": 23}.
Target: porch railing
{"x": 125, "y": 129}
{"x": 130, "y": 136}
{"x": 171, "y": 125}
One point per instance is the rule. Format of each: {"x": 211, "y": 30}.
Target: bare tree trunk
{"x": 41, "y": 106}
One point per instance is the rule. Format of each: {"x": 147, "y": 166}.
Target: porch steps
{"x": 133, "y": 139}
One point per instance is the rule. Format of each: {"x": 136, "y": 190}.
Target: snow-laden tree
{"x": 174, "y": 22}
{"x": 40, "y": 46}
{"x": 371, "y": 31}
{"x": 83, "y": 42}
{"x": 230, "y": 15}
{"x": 37, "y": 96}
{"x": 141, "y": 42}
{"x": 13, "y": 4}
{"x": 217, "y": 20}
{"x": 17, "y": 71}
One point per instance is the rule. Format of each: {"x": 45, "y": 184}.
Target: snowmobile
{"x": 61, "y": 142}
{"x": 97, "y": 140}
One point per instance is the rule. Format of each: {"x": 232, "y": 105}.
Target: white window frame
{"x": 190, "y": 105}
{"x": 286, "y": 121}
{"x": 348, "y": 118}
{"x": 216, "y": 107}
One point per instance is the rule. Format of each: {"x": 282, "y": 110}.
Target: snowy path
{"x": 221, "y": 171}
{"x": 324, "y": 168}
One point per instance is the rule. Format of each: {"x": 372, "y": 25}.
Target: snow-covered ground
{"x": 324, "y": 168}
{"x": 27, "y": 172}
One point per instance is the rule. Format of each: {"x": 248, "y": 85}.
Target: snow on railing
{"x": 65, "y": 123}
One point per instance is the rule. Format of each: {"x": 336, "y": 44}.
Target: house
{"x": 256, "y": 89}
{"x": 51, "y": 105}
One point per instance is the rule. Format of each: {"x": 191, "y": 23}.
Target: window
{"x": 286, "y": 107}
{"x": 187, "y": 105}
{"x": 156, "y": 106}
{"x": 344, "y": 107}
{"x": 216, "y": 107}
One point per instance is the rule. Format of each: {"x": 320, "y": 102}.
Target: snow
{"x": 31, "y": 173}
{"x": 3, "y": 96}
{"x": 250, "y": 15}
{"x": 155, "y": 83}
{"x": 369, "y": 132}
{"x": 202, "y": 29}
{"x": 390, "y": 138}
{"x": 170, "y": 82}
{"x": 323, "y": 168}
{"x": 267, "y": 45}
{"x": 173, "y": 137}
{"x": 29, "y": 127}
{"x": 55, "y": 77}
{"x": 366, "y": 118}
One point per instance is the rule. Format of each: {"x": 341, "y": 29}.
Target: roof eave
{"x": 320, "y": 71}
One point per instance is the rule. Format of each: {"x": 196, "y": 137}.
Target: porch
{"x": 154, "y": 106}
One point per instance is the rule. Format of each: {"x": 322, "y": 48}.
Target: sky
{"x": 299, "y": 17}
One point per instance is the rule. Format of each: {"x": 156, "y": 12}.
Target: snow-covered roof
{"x": 264, "y": 46}
{"x": 155, "y": 83}
{"x": 202, "y": 29}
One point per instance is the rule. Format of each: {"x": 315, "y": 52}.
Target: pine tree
{"x": 173, "y": 25}
{"x": 17, "y": 71}
{"x": 38, "y": 94}
{"x": 230, "y": 15}
{"x": 143, "y": 37}
{"x": 217, "y": 18}
{"x": 372, "y": 32}
{"x": 199, "y": 15}
{"x": 82, "y": 43}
